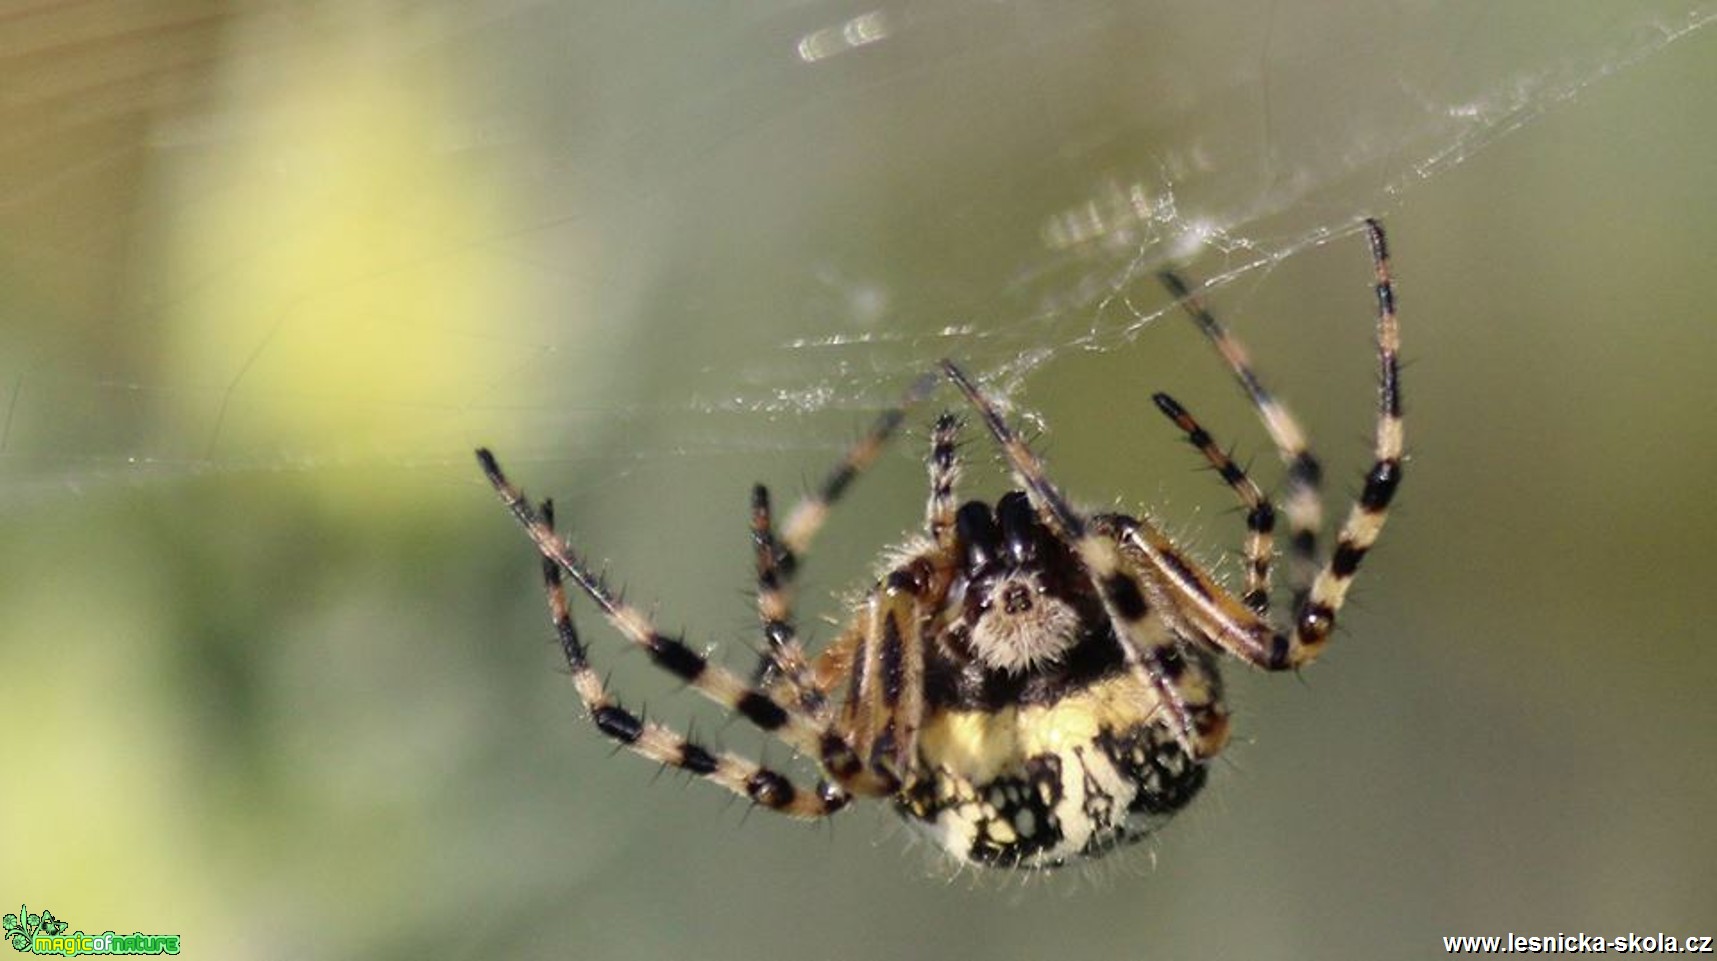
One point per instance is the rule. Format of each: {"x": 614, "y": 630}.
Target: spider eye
{"x": 976, "y": 528}
{"x": 1020, "y": 528}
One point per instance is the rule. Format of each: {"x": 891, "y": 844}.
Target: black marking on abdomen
{"x": 1147, "y": 755}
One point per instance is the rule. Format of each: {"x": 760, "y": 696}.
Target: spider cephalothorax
{"x": 1024, "y": 603}
{"x": 1028, "y": 684}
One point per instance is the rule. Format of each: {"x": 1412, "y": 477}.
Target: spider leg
{"x": 885, "y": 703}
{"x": 1365, "y": 519}
{"x": 807, "y": 517}
{"x": 778, "y": 555}
{"x": 944, "y": 476}
{"x": 1240, "y": 631}
{"x": 884, "y": 706}
{"x": 1304, "y": 500}
{"x": 740, "y": 775}
{"x": 1027, "y": 469}
{"x": 1139, "y": 608}
{"x": 782, "y": 664}
{"x": 1195, "y": 599}
{"x": 832, "y": 664}
{"x": 1260, "y": 514}
{"x": 799, "y": 730}
{"x": 1153, "y": 629}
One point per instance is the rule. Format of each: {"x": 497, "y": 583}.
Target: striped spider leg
{"x": 1317, "y": 590}
{"x": 761, "y": 785}
{"x": 791, "y": 706}
{"x": 782, "y": 664}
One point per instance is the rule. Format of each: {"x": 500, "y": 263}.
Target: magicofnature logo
{"x": 21, "y": 928}
{"x": 45, "y": 934}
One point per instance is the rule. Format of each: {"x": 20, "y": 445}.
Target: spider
{"x": 1026, "y": 683}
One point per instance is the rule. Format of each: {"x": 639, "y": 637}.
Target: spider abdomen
{"x": 1037, "y": 785}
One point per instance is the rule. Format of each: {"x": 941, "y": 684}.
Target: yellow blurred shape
{"x": 329, "y": 290}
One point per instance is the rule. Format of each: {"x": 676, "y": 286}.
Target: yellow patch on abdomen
{"x": 979, "y": 746}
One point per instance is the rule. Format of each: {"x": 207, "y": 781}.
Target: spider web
{"x": 315, "y": 236}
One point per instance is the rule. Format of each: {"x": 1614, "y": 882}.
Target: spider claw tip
{"x": 490, "y": 466}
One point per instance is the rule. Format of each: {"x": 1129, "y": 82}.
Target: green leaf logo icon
{"x": 21, "y": 928}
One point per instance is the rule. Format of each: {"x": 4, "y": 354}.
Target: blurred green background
{"x": 278, "y": 674}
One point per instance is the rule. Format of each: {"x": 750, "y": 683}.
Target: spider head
{"x": 1016, "y": 616}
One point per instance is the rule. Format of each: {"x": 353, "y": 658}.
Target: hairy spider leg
{"x": 884, "y": 706}
{"x": 1137, "y": 604}
{"x": 944, "y": 479}
{"x": 1239, "y": 630}
{"x": 884, "y": 660}
{"x": 783, "y": 663}
{"x": 799, "y": 730}
{"x": 1260, "y": 513}
{"x": 807, "y": 517}
{"x": 661, "y": 744}
{"x": 882, "y": 656}
{"x": 1304, "y": 497}
{"x": 1369, "y": 512}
